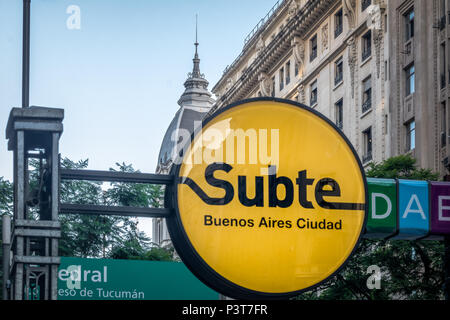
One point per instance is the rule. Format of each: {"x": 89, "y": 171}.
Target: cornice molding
{"x": 307, "y": 16}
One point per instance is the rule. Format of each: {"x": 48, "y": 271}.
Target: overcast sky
{"x": 119, "y": 76}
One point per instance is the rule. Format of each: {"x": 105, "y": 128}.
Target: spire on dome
{"x": 196, "y": 93}
{"x": 196, "y": 71}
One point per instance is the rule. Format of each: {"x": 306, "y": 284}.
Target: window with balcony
{"x": 367, "y": 95}
{"x": 409, "y": 27}
{"x": 338, "y": 23}
{"x": 313, "y": 94}
{"x": 339, "y": 114}
{"x": 410, "y": 80}
{"x": 338, "y": 71}
{"x": 313, "y": 51}
{"x": 367, "y": 139}
{"x": 366, "y": 45}
{"x": 365, "y": 4}
{"x": 410, "y": 135}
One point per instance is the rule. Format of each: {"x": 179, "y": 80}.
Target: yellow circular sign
{"x": 270, "y": 200}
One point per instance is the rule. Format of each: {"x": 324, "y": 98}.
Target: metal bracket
{"x": 114, "y": 176}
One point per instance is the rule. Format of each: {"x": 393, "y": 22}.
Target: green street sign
{"x": 382, "y": 218}
{"x": 103, "y": 279}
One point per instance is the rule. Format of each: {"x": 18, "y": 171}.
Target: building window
{"x": 385, "y": 23}
{"x": 367, "y": 138}
{"x": 386, "y": 124}
{"x": 296, "y": 69}
{"x": 338, "y": 23}
{"x": 444, "y": 125}
{"x": 338, "y": 71}
{"x": 443, "y": 67}
{"x": 313, "y": 43}
{"x": 313, "y": 96}
{"x": 365, "y": 4}
{"x": 367, "y": 95}
{"x": 339, "y": 114}
{"x": 409, "y": 29}
{"x": 273, "y": 86}
{"x": 443, "y": 18}
{"x": 367, "y": 45}
{"x": 411, "y": 136}
{"x": 288, "y": 72}
{"x": 387, "y": 72}
{"x": 281, "y": 78}
{"x": 410, "y": 80}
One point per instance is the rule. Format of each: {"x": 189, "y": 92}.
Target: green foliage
{"x": 105, "y": 236}
{"x": 6, "y": 207}
{"x": 400, "y": 167}
{"x": 409, "y": 269}
{"x": 133, "y": 251}
{"x": 6, "y": 197}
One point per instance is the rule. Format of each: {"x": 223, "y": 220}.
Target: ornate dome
{"x": 194, "y": 103}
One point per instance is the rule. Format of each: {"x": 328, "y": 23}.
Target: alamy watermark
{"x": 221, "y": 144}
{"x": 73, "y": 22}
{"x": 374, "y": 280}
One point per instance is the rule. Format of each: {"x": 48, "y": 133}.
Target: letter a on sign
{"x": 414, "y": 199}
{"x": 414, "y": 210}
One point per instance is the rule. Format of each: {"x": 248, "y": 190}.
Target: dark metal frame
{"x": 114, "y": 176}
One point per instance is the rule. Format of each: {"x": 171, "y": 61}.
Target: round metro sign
{"x": 269, "y": 200}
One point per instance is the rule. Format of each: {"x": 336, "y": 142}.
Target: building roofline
{"x": 298, "y": 25}
{"x": 253, "y": 36}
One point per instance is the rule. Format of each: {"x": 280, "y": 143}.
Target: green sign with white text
{"x": 103, "y": 279}
{"x": 382, "y": 218}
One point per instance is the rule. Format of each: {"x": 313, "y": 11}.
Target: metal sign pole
{"x": 447, "y": 260}
{"x": 26, "y": 55}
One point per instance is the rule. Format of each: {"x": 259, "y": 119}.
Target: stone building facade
{"x": 377, "y": 68}
{"x": 328, "y": 54}
{"x": 420, "y": 80}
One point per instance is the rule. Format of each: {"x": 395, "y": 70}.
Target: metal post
{"x": 26, "y": 54}
{"x": 447, "y": 268}
{"x": 6, "y": 235}
{"x": 447, "y": 260}
{"x": 19, "y": 209}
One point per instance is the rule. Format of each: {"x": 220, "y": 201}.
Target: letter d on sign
{"x": 374, "y": 206}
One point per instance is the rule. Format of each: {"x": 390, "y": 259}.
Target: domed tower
{"x": 194, "y": 103}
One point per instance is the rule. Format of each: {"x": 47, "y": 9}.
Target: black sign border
{"x": 195, "y": 262}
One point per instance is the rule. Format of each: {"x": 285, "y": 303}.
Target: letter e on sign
{"x": 440, "y": 208}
